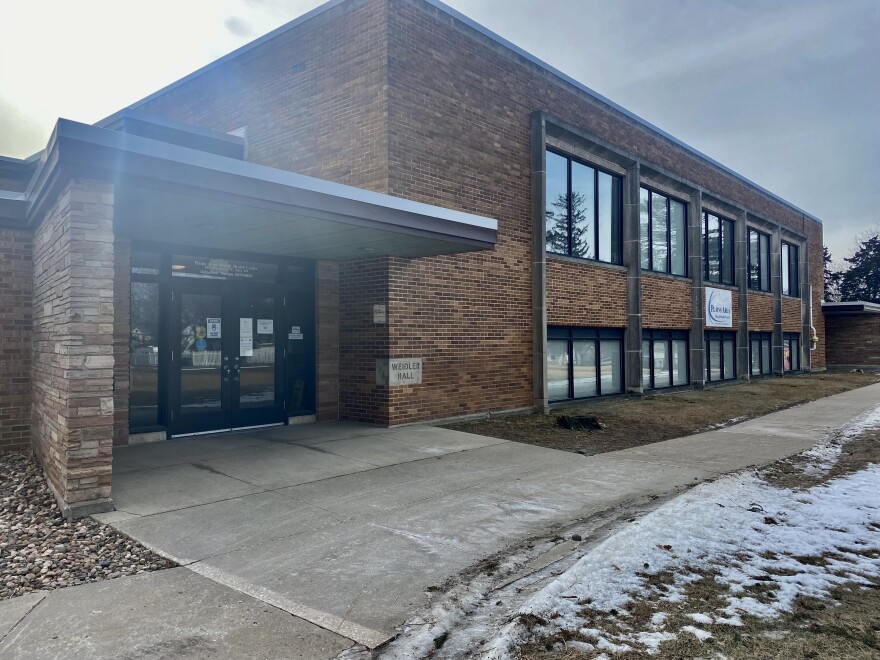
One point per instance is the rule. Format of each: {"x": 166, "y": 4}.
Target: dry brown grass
{"x": 635, "y": 421}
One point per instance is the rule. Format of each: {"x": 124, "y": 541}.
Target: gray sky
{"x": 786, "y": 92}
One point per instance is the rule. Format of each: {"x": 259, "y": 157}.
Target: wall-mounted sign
{"x": 719, "y": 308}
{"x": 246, "y": 328}
{"x": 246, "y": 347}
{"x": 396, "y": 372}
{"x": 214, "y": 329}
{"x": 380, "y": 315}
{"x": 211, "y": 268}
{"x": 265, "y": 326}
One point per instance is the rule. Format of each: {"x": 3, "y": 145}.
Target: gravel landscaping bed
{"x": 40, "y": 550}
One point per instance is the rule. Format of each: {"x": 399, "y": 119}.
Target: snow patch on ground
{"x": 824, "y": 455}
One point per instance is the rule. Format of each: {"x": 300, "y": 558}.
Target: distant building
{"x": 852, "y": 331}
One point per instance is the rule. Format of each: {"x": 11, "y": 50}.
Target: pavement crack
{"x": 23, "y": 617}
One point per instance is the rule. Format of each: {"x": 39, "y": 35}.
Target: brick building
{"x": 852, "y": 329}
{"x": 380, "y": 212}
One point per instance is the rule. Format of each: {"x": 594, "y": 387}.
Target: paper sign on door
{"x": 246, "y": 328}
{"x": 214, "y": 328}
{"x": 246, "y": 347}
{"x": 265, "y": 326}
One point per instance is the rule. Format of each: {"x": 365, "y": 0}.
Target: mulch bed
{"x": 40, "y": 550}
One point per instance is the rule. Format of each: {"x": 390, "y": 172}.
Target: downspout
{"x": 814, "y": 336}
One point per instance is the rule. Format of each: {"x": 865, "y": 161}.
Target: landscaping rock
{"x": 40, "y": 550}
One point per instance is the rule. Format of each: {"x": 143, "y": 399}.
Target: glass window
{"x": 663, "y": 242}
{"x": 718, "y": 250}
{"x": 790, "y": 283}
{"x": 759, "y": 261}
{"x": 584, "y": 210}
{"x": 760, "y": 356}
{"x": 143, "y": 365}
{"x": 583, "y": 362}
{"x": 791, "y": 353}
{"x": 145, "y": 263}
{"x": 664, "y": 358}
{"x": 720, "y": 355}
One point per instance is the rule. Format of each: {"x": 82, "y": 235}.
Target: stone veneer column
{"x": 741, "y": 230}
{"x": 72, "y": 371}
{"x": 540, "y": 400}
{"x": 776, "y": 288}
{"x": 632, "y": 340}
{"x": 695, "y": 270}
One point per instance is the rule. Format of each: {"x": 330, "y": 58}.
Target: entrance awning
{"x": 174, "y": 194}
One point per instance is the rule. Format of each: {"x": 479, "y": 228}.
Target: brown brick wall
{"x": 16, "y": 305}
{"x": 666, "y": 303}
{"x": 327, "y": 300}
{"x": 362, "y": 284}
{"x": 584, "y": 294}
{"x": 312, "y": 98}
{"x": 72, "y": 391}
{"x": 792, "y": 318}
{"x": 761, "y": 313}
{"x": 816, "y": 270}
{"x": 853, "y": 340}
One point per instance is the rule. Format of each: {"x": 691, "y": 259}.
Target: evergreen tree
{"x": 861, "y": 280}
{"x": 557, "y": 225}
{"x": 831, "y": 277}
{"x": 581, "y": 226}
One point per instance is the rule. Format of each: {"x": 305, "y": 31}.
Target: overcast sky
{"x": 785, "y": 92}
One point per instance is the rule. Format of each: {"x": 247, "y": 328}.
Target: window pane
{"x": 556, "y": 213}
{"x": 713, "y": 249}
{"x": 662, "y": 376}
{"x": 645, "y": 228}
{"x": 680, "y": 362}
{"x": 611, "y": 366}
{"x": 729, "y": 359}
{"x": 794, "y": 287}
{"x": 143, "y": 401}
{"x": 786, "y": 355}
{"x": 785, "y": 281}
{"x": 727, "y": 251}
{"x": 678, "y": 238}
{"x": 765, "y": 262}
{"x": 795, "y": 354}
{"x": 756, "y": 356}
{"x": 766, "y": 362}
{"x": 557, "y": 370}
{"x": 659, "y": 225}
{"x": 646, "y": 364}
{"x": 145, "y": 263}
{"x": 754, "y": 253}
{"x": 714, "y": 359}
{"x": 585, "y": 369}
{"x": 583, "y": 211}
{"x": 606, "y": 197}
{"x": 616, "y": 240}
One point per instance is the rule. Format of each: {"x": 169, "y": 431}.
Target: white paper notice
{"x": 246, "y": 347}
{"x": 246, "y": 328}
{"x": 265, "y": 326}
{"x": 214, "y": 329}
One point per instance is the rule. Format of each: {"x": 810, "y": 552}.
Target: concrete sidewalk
{"x": 325, "y": 535}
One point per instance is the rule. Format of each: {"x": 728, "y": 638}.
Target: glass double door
{"x": 226, "y": 367}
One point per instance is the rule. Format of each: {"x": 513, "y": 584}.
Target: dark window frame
{"x": 597, "y": 335}
{"x": 721, "y": 252}
{"x": 761, "y": 260}
{"x": 617, "y": 258}
{"x": 793, "y": 282}
{"x": 761, "y": 336}
{"x": 794, "y": 356}
{"x": 669, "y": 199}
{"x": 667, "y": 336}
{"x": 722, "y": 336}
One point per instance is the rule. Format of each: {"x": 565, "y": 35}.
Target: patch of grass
{"x": 635, "y": 421}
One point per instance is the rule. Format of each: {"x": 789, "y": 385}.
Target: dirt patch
{"x": 635, "y": 421}
{"x": 40, "y": 550}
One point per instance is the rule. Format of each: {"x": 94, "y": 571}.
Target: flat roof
{"x": 850, "y": 307}
{"x": 443, "y": 7}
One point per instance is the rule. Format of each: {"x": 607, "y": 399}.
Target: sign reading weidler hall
{"x": 394, "y": 372}
{"x": 719, "y": 308}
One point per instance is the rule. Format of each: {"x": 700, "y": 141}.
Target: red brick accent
{"x": 585, "y": 294}
{"x": 792, "y": 319}
{"x": 853, "y": 340}
{"x": 73, "y": 320}
{"x": 666, "y": 303}
{"x": 16, "y": 304}
{"x": 761, "y": 313}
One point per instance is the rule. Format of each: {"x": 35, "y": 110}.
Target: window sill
{"x": 717, "y": 285}
{"x": 785, "y": 296}
{"x": 761, "y": 293}
{"x": 667, "y": 276}
{"x": 584, "y": 262}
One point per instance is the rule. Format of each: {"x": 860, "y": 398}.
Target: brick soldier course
{"x": 450, "y": 124}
